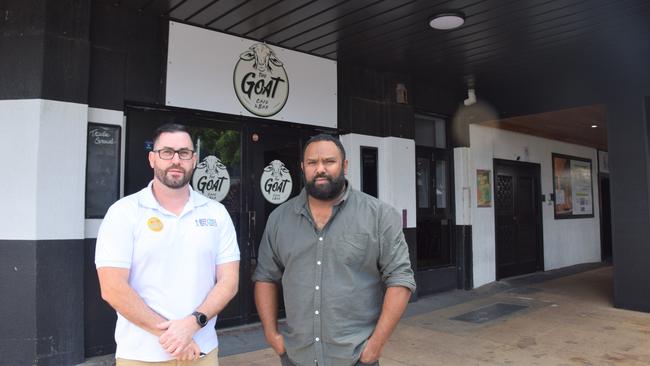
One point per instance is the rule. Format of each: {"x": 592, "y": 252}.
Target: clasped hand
{"x": 177, "y": 338}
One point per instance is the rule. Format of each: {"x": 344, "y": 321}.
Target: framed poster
{"x": 102, "y": 168}
{"x": 483, "y": 188}
{"x": 572, "y": 187}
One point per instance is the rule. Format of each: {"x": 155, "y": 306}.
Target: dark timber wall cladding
{"x": 42, "y": 319}
{"x": 463, "y": 240}
{"x": 17, "y": 303}
{"x": 45, "y": 49}
{"x": 99, "y": 317}
{"x": 367, "y": 105}
{"x": 630, "y": 200}
{"x": 368, "y": 101}
{"x": 128, "y": 56}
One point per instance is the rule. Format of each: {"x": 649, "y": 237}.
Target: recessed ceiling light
{"x": 594, "y": 126}
{"x": 446, "y": 21}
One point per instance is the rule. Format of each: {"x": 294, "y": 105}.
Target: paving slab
{"x": 563, "y": 318}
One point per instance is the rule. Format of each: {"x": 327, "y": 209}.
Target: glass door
{"x": 274, "y": 176}
{"x": 435, "y": 252}
{"x": 434, "y": 235}
{"x": 218, "y": 174}
{"x": 249, "y": 166}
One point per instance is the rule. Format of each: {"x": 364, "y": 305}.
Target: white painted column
{"x": 45, "y": 188}
{"x": 395, "y": 170}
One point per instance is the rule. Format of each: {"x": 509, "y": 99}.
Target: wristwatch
{"x": 201, "y": 319}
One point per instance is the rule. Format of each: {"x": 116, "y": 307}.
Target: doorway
{"x": 518, "y": 218}
{"x": 273, "y": 156}
{"x": 435, "y": 253}
{"x": 251, "y": 166}
{"x": 606, "y": 252}
{"x": 438, "y": 260}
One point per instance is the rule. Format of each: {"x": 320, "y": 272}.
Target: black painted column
{"x": 44, "y": 65}
{"x": 628, "y": 136}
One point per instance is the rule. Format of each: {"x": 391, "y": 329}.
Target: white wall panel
{"x": 462, "y": 188}
{"x": 20, "y": 133}
{"x": 200, "y": 70}
{"x": 395, "y": 166}
{"x": 46, "y": 190}
{"x": 61, "y": 170}
{"x": 566, "y": 242}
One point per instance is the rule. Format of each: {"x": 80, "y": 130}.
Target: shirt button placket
{"x": 317, "y": 301}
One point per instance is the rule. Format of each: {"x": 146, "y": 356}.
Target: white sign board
{"x": 275, "y": 182}
{"x": 205, "y": 70}
{"x": 211, "y": 178}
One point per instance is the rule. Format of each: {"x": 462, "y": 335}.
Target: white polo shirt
{"x": 172, "y": 262}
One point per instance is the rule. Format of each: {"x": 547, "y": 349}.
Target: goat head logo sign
{"x": 260, "y": 81}
{"x": 211, "y": 178}
{"x": 276, "y": 182}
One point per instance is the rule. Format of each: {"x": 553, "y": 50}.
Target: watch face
{"x": 201, "y": 318}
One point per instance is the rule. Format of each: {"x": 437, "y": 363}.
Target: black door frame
{"x": 605, "y": 217}
{"x": 538, "y": 189}
{"x": 245, "y": 125}
{"x": 450, "y": 276}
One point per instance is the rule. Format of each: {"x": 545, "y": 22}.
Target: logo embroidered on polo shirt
{"x": 154, "y": 224}
{"x": 205, "y": 222}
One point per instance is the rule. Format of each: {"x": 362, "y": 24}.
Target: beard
{"x": 326, "y": 191}
{"x": 168, "y": 181}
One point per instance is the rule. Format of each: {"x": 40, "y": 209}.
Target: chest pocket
{"x": 353, "y": 248}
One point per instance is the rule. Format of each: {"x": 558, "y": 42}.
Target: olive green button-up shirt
{"x": 334, "y": 279}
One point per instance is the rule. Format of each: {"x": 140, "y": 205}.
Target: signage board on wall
{"x": 276, "y": 183}
{"x": 217, "y": 72}
{"x": 572, "y": 187}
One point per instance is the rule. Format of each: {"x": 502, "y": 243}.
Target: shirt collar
{"x": 147, "y": 199}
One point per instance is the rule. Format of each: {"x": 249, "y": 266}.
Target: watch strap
{"x": 201, "y": 319}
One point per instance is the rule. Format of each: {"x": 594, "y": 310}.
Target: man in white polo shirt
{"x": 168, "y": 262}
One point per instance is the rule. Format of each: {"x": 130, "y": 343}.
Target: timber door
{"x": 518, "y": 219}
{"x": 436, "y": 254}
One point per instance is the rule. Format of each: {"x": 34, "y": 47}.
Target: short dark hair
{"x": 171, "y": 128}
{"x": 324, "y": 137}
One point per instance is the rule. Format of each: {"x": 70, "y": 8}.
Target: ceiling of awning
{"x": 581, "y": 125}
{"x": 500, "y": 40}
{"x": 498, "y": 35}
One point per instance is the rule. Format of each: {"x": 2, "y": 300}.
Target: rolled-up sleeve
{"x": 394, "y": 263}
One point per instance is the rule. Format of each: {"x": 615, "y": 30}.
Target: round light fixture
{"x": 446, "y": 21}
{"x": 594, "y": 126}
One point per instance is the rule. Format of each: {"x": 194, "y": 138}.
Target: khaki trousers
{"x": 211, "y": 359}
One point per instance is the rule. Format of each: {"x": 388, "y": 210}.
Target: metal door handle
{"x": 251, "y": 233}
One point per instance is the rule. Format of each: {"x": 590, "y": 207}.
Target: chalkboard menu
{"x": 102, "y": 168}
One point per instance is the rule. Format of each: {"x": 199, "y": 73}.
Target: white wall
{"x": 396, "y": 169}
{"x": 566, "y": 242}
{"x": 200, "y": 70}
{"x": 462, "y": 186}
{"x": 43, "y": 195}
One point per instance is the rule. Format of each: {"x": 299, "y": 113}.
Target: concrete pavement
{"x": 563, "y": 317}
{"x": 543, "y": 319}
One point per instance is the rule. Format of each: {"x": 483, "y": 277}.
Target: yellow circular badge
{"x": 154, "y": 224}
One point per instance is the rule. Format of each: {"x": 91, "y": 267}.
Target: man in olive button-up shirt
{"x": 343, "y": 263}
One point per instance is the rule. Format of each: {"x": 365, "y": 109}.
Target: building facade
{"x": 84, "y": 85}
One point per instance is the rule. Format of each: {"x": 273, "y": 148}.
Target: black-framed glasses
{"x": 168, "y": 154}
